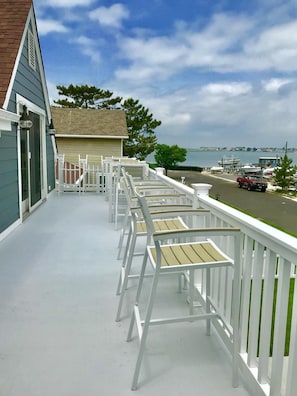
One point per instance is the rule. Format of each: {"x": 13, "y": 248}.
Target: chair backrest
{"x": 131, "y": 183}
{"x": 128, "y": 191}
{"x": 146, "y": 215}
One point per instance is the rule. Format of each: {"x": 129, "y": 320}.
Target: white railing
{"x": 79, "y": 177}
{"x": 268, "y": 306}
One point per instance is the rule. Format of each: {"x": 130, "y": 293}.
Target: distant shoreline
{"x": 207, "y": 159}
{"x": 248, "y": 149}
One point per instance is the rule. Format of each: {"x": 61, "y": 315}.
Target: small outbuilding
{"x": 89, "y": 132}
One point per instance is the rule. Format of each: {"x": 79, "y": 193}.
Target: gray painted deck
{"x": 58, "y": 336}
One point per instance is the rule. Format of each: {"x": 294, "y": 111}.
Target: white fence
{"x": 99, "y": 175}
{"x": 268, "y": 306}
{"x": 80, "y": 177}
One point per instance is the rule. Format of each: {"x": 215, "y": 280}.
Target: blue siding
{"x": 9, "y": 196}
{"x": 27, "y": 83}
{"x": 50, "y": 156}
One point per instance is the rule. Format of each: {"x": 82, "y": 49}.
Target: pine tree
{"x": 87, "y": 97}
{"x": 141, "y": 125}
{"x": 284, "y": 174}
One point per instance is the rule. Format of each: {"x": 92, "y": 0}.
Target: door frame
{"x": 27, "y": 208}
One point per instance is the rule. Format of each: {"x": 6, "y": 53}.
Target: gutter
{"x": 90, "y": 136}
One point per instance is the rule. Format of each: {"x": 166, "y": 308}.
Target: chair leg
{"x": 180, "y": 283}
{"x": 120, "y": 282}
{"x": 122, "y": 236}
{"x": 145, "y": 330}
{"x": 191, "y": 292}
{"x": 131, "y": 326}
{"x": 207, "y": 307}
{"x": 138, "y": 293}
{"x": 125, "y": 271}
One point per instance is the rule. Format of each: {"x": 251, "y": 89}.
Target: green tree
{"x": 169, "y": 156}
{"x": 141, "y": 125}
{"x": 284, "y": 173}
{"x": 85, "y": 96}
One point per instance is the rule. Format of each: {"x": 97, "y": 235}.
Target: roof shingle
{"x": 91, "y": 122}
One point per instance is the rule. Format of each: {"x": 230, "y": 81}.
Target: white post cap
{"x": 201, "y": 188}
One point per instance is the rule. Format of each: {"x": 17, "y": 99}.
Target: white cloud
{"x": 88, "y": 48}
{"x": 150, "y": 58}
{"x": 63, "y": 3}
{"x": 110, "y": 16}
{"x": 52, "y": 91}
{"x": 229, "y": 89}
{"x": 224, "y": 114}
{"x": 178, "y": 119}
{"x": 94, "y": 56}
{"x": 229, "y": 43}
{"x": 160, "y": 50}
{"x": 84, "y": 41}
{"x": 46, "y": 26}
{"x": 212, "y": 47}
{"x": 274, "y": 84}
{"x": 275, "y": 48}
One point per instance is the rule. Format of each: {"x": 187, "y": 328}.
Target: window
{"x": 31, "y": 50}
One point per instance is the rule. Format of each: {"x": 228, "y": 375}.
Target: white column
{"x": 159, "y": 171}
{"x": 200, "y": 189}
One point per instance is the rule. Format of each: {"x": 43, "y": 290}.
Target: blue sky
{"x": 215, "y": 72}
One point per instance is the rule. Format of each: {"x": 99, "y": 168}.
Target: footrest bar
{"x": 138, "y": 321}
{"x": 188, "y": 318}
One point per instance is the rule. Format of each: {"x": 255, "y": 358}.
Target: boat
{"x": 269, "y": 165}
{"x": 269, "y": 161}
{"x": 216, "y": 169}
{"x": 229, "y": 161}
{"x": 268, "y": 172}
{"x": 250, "y": 169}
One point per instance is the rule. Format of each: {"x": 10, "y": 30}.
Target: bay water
{"x": 208, "y": 158}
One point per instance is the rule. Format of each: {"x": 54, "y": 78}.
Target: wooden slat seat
{"x": 189, "y": 254}
{"x": 162, "y": 225}
{"x": 139, "y": 229}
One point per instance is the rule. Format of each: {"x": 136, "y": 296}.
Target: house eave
{"x": 90, "y": 136}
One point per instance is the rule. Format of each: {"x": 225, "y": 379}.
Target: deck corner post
{"x": 200, "y": 189}
{"x": 159, "y": 171}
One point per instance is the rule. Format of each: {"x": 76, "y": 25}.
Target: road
{"x": 268, "y": 206}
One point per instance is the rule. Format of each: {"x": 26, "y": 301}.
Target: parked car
{"x": 252, "y": 182}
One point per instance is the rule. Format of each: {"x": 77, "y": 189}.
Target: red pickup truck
{"x": 252, "y": 182}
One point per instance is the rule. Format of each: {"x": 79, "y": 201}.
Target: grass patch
{"x": 255, "y": 217}
{"x": 152, "y": 165}
{"x": 289, "y": 317}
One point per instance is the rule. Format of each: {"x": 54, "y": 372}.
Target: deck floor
{"x": 58, "y": 335}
